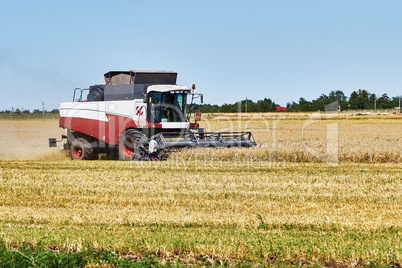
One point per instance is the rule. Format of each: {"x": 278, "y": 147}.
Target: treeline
{"x": 265, "y": 105}
{"x": 22, "y": 111}
{"x": 358, "y": 100}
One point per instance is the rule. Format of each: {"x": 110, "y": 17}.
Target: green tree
{"x": 266, "y": 105}
{"x": 228, "y": 108}
{"x": 385, "y": 102}
{"x": 305, "y": 105}
{"x": 360, "y": 100}
{"x": 293, "y": 107}
{"x": 395, "y": 101}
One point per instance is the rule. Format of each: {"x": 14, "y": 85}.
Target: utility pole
{"x": 43, "y": 107}
{"x": 246, "y": 104}
{"x": 399, "y": 105}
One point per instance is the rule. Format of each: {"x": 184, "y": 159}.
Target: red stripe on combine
{"x": 117, "y": 124}
{"x": 108, "y": 131}
{"x": 90, "y": 127}
{"x": 155, "y": 125}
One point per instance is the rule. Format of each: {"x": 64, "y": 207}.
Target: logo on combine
{"x": 139, "y": 110}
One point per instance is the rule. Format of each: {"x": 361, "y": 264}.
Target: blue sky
{"x": 231, "y": 49}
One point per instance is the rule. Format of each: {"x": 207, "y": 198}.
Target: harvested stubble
{"x": 249, "y": 204}
{"x": 229, "y": 209}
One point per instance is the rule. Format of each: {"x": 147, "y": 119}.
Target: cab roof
{"x": 168, "y": 88}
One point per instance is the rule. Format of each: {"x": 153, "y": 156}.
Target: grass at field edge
{"x": 199, "y": 244}
{"x": 28, "y": 256}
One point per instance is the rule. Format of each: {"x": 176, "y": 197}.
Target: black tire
{"x": 80, "y": 149}
{"x": 128, "y": 144}
{"x": 95, "y": 93}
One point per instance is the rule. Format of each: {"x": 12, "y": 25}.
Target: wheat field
{"x": 304, "y": 137}
{"x": 277, "y": 204}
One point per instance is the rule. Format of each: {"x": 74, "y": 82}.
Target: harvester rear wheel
{"x": 80, "y": 149}
{"x": 128, "y": 144}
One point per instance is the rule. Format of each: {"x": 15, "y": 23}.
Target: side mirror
{"x": 144, "y": 97}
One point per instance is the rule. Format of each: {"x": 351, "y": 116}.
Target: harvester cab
{"x": 136, "y": 115}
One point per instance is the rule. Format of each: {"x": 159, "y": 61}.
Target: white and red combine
{"x": 136, "y": 115}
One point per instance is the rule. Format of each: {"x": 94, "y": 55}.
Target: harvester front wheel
{"x": 128, "y": 144}
{"x": 80, "y": 149}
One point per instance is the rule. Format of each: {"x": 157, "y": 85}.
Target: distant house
{"x": 280, "y": 108}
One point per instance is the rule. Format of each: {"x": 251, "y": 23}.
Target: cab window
{"x": 166, "y": 107}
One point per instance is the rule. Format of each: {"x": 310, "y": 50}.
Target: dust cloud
{"x": 28, "y": 139}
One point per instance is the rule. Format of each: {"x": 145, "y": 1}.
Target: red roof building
{"x": 280, "y": 108}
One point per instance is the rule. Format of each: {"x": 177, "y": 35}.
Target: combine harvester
{"x": 136, "y": 115}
